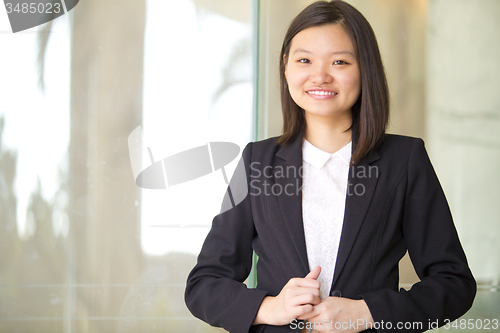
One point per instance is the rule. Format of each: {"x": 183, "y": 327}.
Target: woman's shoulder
{"x": 399, "y": 138}
{"x": 401, "y": 150}
{"x": 398, "y": 142}
{"x": 265, "y": 143}
{"x": 265, "y": 147}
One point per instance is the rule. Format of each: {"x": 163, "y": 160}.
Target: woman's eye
{"x": 340, "y": 62}
{"x": 304, "y": 61}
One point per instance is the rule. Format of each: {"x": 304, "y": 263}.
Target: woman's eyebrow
{"x": 301, "y": 50}
{"x": 332, "y": 53}
{"x": 343, "y": 52}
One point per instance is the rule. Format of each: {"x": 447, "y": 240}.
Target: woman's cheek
{"x": 352, "y": 84}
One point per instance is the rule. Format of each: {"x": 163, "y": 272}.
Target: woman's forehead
{"x": 327, "y": 39}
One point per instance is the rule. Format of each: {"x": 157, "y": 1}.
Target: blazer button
{"x": 336, "y": 293}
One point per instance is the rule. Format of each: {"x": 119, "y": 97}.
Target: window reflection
{"x": 197, "y": 88}
{"x": 88, "y": 250}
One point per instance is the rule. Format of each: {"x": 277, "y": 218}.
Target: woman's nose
{"x": 321, "y": 75}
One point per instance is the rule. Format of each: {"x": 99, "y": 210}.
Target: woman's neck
{"x": 328, "y": 136}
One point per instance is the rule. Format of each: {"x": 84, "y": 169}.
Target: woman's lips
{"x": 321, "y": 93}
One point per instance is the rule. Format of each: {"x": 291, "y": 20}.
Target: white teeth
{"x": 320, "y": 92}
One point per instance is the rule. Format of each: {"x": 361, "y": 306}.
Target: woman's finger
{"x": 305, "y": 299}
{"x": 303, "y": 282}
{"x": 296, "y": 291}
{"x": 314, "y": 273}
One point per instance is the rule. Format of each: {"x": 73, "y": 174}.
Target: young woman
{"x": 333, "y": 204}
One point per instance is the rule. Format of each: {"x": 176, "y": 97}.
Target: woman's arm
{"x": 447, "y": 288}
{"x": 215, "y": 291}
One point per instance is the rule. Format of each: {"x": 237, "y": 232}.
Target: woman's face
{"x": 322, "y": 72}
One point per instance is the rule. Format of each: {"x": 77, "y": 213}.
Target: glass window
{"x": 85, "y": 249}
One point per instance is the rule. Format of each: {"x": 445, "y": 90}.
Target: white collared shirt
{"x": 323, "y": 203}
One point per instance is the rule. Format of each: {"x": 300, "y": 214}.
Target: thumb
{"x": 314, "y": 273}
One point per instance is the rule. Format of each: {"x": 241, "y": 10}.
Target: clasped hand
{"x": 299, "y": 299}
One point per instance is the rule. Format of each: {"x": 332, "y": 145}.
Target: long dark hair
{"x": 370, "y": 113}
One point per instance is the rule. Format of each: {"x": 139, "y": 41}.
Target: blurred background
{"x": 86, "y": 250}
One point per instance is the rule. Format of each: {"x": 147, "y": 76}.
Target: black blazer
{"x": 394, "y": 203}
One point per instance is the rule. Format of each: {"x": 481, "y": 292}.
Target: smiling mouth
{"x": 321, "y": 93}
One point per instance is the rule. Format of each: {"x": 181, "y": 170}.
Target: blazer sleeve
{"x": 215, "y": 292}
{"x": 447, "y": 288}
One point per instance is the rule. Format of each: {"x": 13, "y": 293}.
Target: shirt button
{"x": 336, "y": 293}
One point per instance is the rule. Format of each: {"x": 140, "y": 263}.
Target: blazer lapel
{"x": 291, "y": 202}
{"x": 362, "y": 180}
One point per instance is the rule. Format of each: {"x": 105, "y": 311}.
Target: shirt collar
{"x": 318, "y": 158}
